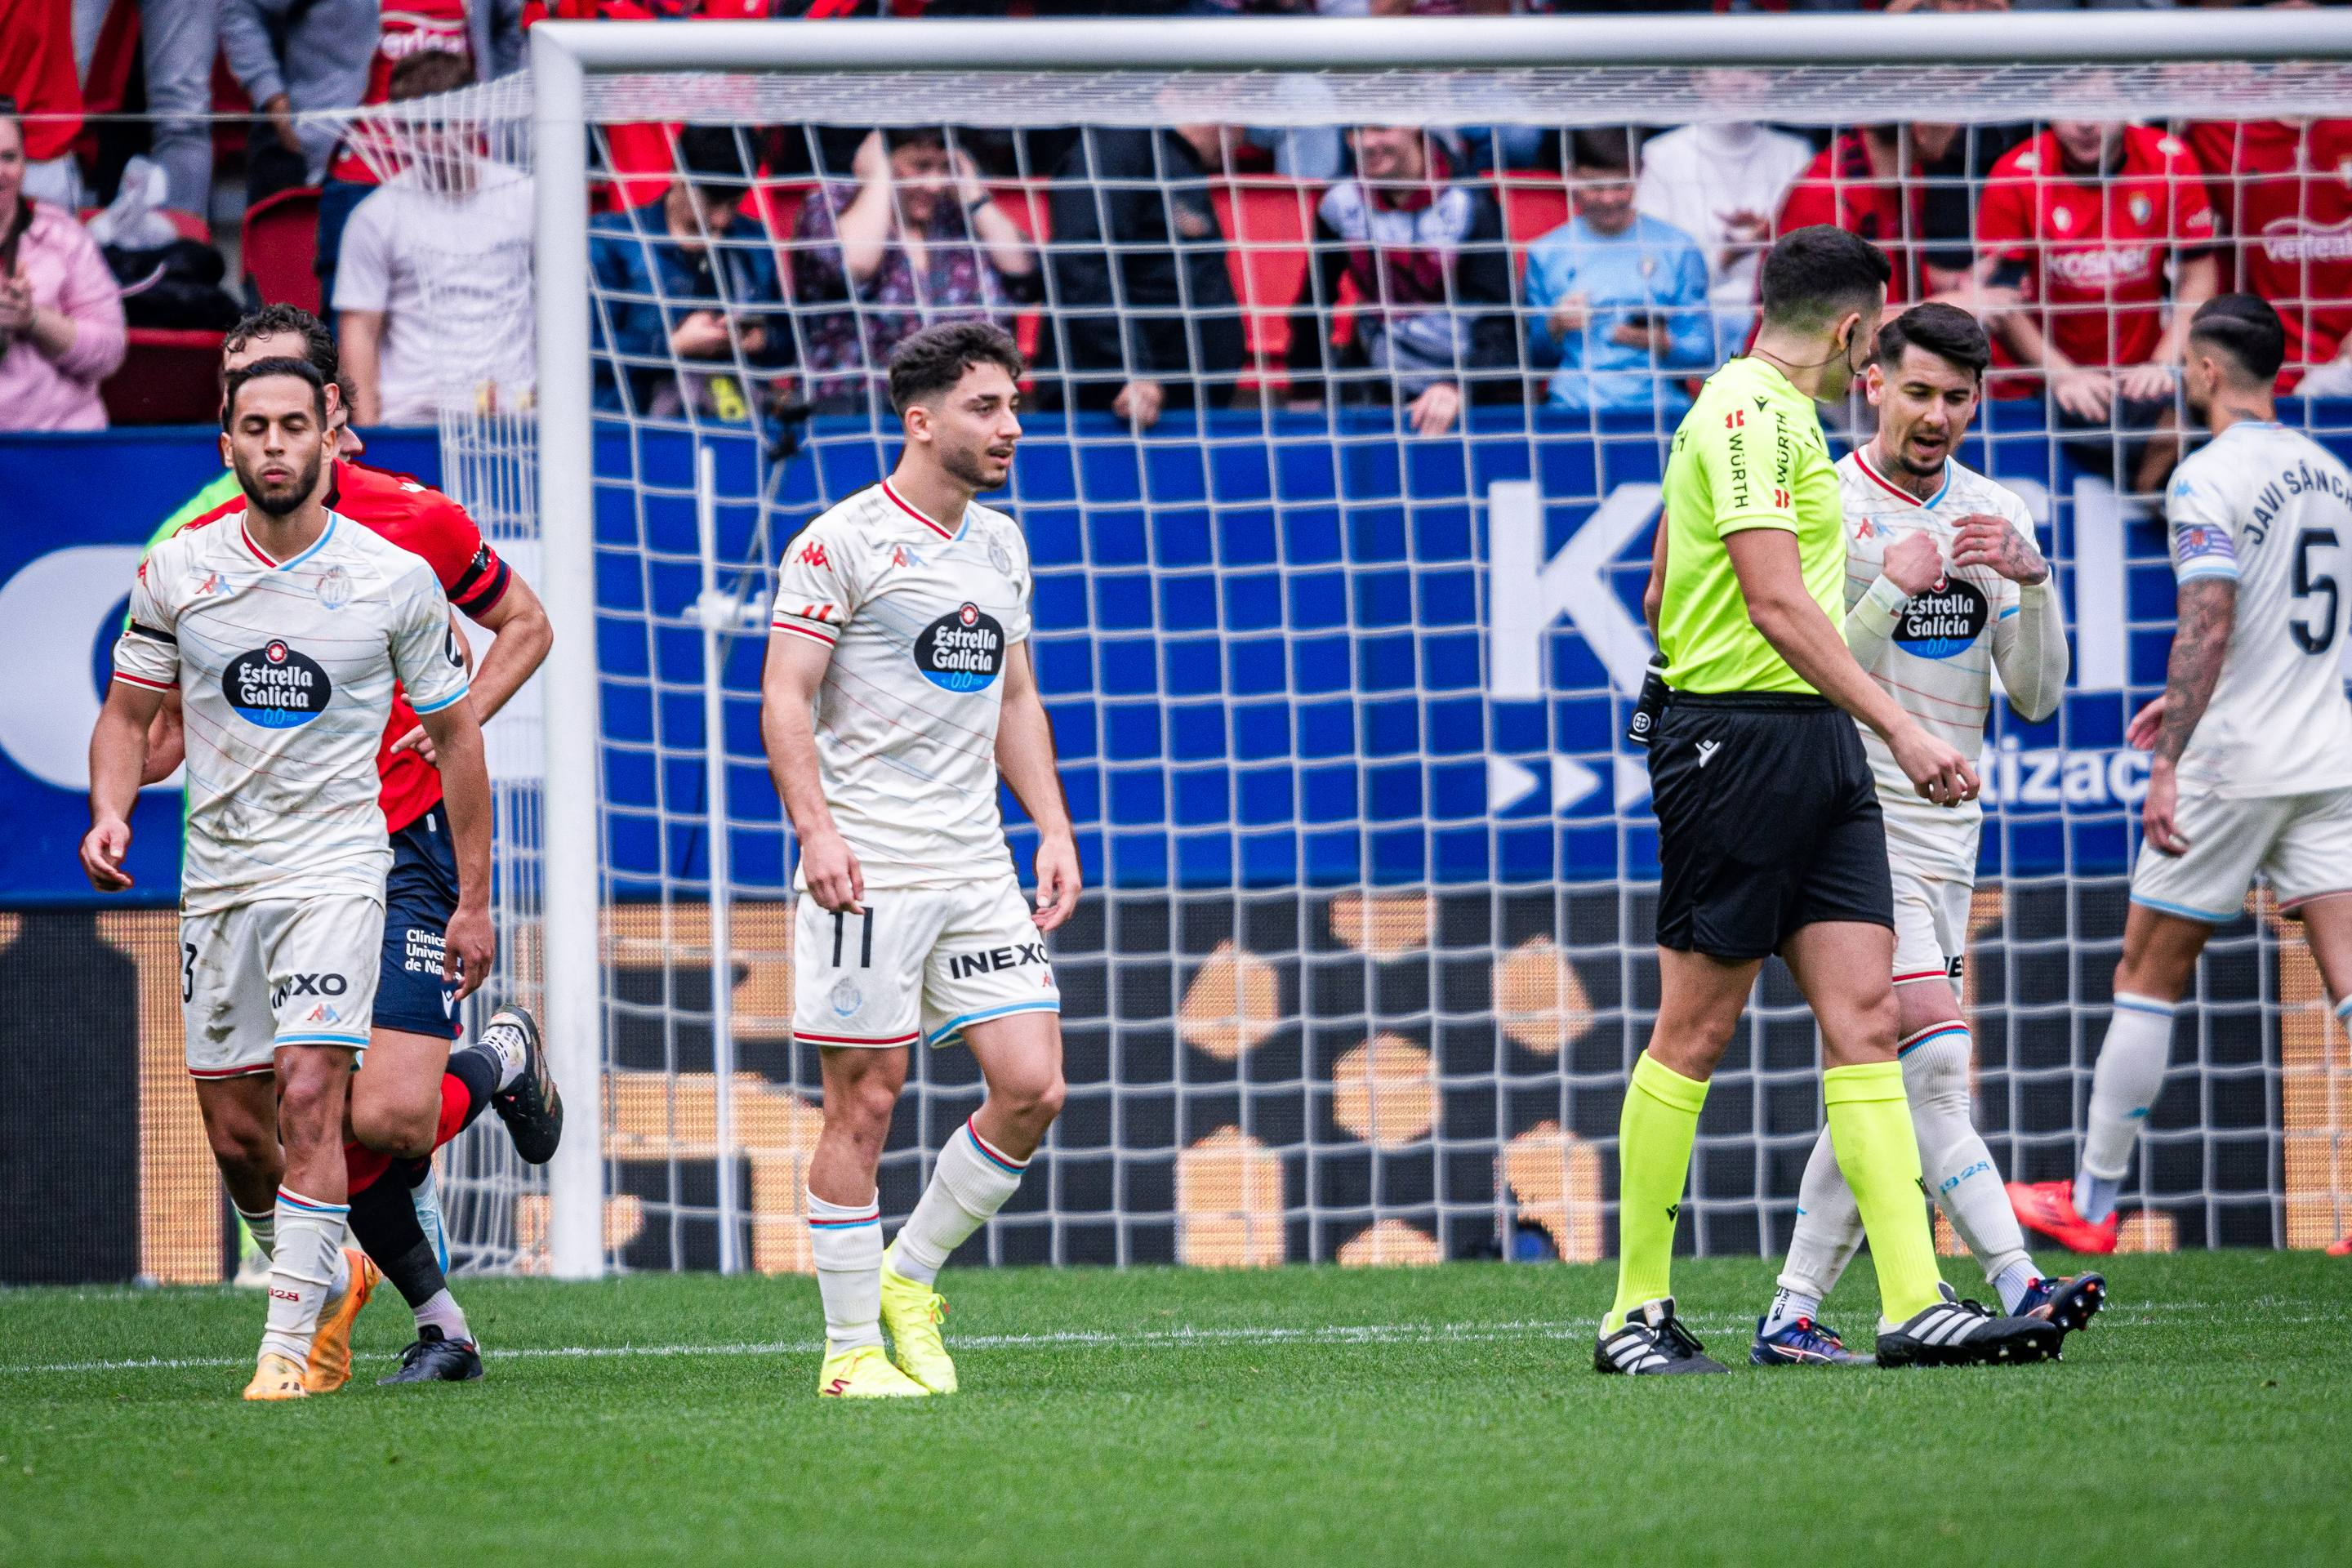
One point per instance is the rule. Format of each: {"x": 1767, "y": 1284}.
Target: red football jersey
{"x": 1839, "y": 188}
{"x": 405, "y": 27}
{"x": 2286, "y": 191}
{"x": 2094, "y": 251}
{"x": 423, "y": 522}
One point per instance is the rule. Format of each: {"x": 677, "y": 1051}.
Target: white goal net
{"x": 1338, "y": 666}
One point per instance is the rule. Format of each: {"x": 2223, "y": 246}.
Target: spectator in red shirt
{"x": 2283, "y": 188}
{"x": 1873, "y": 181}
{"x": 2084, "y": 217}
{"x": 37, "y": 75}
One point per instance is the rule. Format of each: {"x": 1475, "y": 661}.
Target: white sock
{"x": 506, "y": 1045}
{"x": 970, "y": 1183}
{"x": 1953, "y": 1159}
{"x": 302, "y": 1272}
{"x": 846, "y": 1241}
{"x": 2013, "y": 1282}
{"x": 2124, "y": 1085}
{"x": 1788, "y": 1305}
{"x": 1828, "y": 1235}
{"x": 440, "y": 1310}
{"x": 262, "y": 1227}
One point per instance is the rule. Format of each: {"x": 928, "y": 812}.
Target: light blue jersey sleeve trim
{"x": 424, "y": 708}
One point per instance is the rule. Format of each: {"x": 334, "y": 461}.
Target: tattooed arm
{"x": 2208, "y": 608}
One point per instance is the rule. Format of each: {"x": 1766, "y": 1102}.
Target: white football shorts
{"x": 282, "y": 971}
{"x": 2302, "y": 843}
{"x": 918, "y": 963}
{"x": 1931, "y": 926}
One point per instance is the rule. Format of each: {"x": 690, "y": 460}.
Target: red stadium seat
{"x": 1267, "y": 223}
{"x": 281, "y": 248}
{"x": 1534, "y": 204}
{"x": 167, "y": 378}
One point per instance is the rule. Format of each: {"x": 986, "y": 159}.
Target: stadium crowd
{"x": 1599, "y": 271}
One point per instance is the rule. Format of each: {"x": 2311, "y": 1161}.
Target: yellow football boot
{"x": 913, "y": 1314}
{"x": 329, "y": 1366}
{"x": 276, "y": 1377}
{"x": 864, "y": 1374}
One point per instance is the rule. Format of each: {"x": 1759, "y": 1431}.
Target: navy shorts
{"x": 419, "y": 896}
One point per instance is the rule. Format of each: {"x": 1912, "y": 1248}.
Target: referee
{"x": 1769, "y": 838}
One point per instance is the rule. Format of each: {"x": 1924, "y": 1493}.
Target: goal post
{"x": 1556, "y": 73}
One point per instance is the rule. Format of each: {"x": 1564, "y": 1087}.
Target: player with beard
{"x": 1943, "y": 584}
{"x": 413, "y": 1093}
{"x": 899, "y": 690}
{"x": 1770, "y": 838}
{"x": 285, "y": 631}
{"x": 2252, "y": 740}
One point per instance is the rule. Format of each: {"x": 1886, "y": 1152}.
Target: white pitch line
{"x": 1141, "y": 1338}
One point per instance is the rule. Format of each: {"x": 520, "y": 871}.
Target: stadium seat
{"x": 281, "y": 245}
{"x": 777, "y": 203}
{"x": 1267, "y": 225}
{"x": 1534, "y": 204}
{"x": 167, "y": 378}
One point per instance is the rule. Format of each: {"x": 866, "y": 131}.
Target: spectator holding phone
{"x": 693, "y": 298}
{"x": 1616, "y": 301}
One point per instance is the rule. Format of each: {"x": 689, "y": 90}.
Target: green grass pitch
{"x": 1304, "y": 1416}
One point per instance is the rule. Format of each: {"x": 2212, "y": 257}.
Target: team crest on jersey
{"x": 998, "y": 556}
{"x": 275, "y": 687}
{"x": 334, "y": 587}
{"x": 846, "y": 997}
{"x": 1944, "y": 620}
{"x": 2061, "y": 218}
{"x": 961, "y": 652}
{"x": 2140, "y": 208}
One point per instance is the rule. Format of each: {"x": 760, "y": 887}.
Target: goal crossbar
{"x": 1529, "y": 70}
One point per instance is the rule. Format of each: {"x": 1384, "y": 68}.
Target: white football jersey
{"x": 2270, "y": 509}
{"x": 1938, "y": 662}
{"x": 284, "y": 671}
{"x": 921, "y": 621}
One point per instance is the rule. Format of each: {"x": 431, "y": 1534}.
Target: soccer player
{"x": 1769, "y": 833}
{"x": 1942, "y": 583}
{"x": 284, "y": 631}
{"x": 413, "y": 1093}
{"x": 2252, "y": 739}
{"x": 898, "y": 689}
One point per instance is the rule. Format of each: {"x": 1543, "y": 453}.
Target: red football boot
{"x": 2049, "y": 1207}
{"x": 2341, "y": 1249}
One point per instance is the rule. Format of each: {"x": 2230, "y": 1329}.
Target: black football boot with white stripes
{"x": 1953, "y": 1333}
{"x": 1653, "y": 1342}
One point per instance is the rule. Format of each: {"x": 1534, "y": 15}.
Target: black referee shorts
{"x": 1768, "y": 821}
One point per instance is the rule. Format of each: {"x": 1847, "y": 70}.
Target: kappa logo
{"x": 1707, "y": 750}
{"x": 813, "y": 554}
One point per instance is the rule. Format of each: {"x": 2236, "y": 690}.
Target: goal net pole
{"x": 1538, "y": 72}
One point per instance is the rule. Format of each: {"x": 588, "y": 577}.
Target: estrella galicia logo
{"x": 275, "y": 687}
{"x": 1944, "y": 620}
{"x": 961, "y": 652}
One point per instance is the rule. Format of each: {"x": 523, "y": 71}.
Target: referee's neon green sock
{"x": 1653, "y": 1150}
{"x": 1870, "y": 1129}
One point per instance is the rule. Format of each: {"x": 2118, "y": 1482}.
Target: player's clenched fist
{"x": 102, "y": 850}
{"x": 835, "y": 878}
{"x": 1914, "y": 565}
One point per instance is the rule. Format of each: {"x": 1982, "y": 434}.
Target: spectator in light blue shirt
{"x": 1616, "y": 301}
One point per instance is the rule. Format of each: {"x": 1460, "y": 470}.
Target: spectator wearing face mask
{"x": 915, "y": 239}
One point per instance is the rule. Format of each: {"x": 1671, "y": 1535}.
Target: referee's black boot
{"x": 1953, "y": 1333}
{"x": 1653, "y": 1342}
